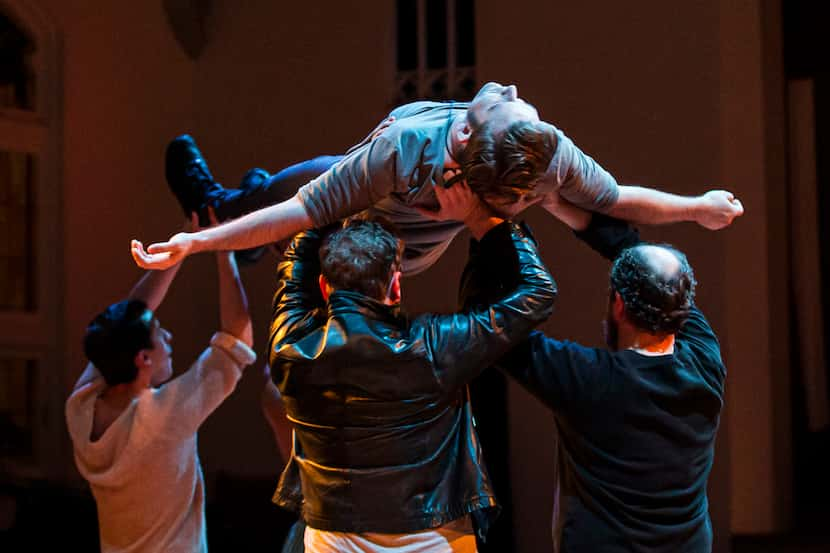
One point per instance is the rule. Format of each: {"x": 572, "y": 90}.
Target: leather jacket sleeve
{"x": 463, "y": 344}
{"x": 553, "y": 370}
{"x": 298, "y": 299}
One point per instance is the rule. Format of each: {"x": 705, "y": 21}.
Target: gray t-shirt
{"x": 578, "y": 178}
{"x": 393, "y": 174}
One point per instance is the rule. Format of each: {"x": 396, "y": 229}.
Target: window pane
{"x": 17, "y": 83}
{"x": 438, "y": 85}
{"x": 407, "y": 35}
{"x": 465, "y": 37}
{"x": 436, "y": 34}
{"x": 17, "y": 255}
{"x": 17, "y": 406}
{"x": 465, "y": 83}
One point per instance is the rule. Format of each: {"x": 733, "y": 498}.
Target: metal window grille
{"x": 436, "y": 50}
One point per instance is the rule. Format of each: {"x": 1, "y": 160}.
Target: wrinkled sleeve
{"x": 187, "y": 400}
{"x": 699, "y": 337}
{"x": 579, "y": 179}
{"x": 558, "y": 373}
{"x": 463, "y": 344}
{"x": 362, "y": 178}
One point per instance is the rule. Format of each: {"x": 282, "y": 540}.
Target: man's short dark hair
{"x": 654, "y": 301}
{"x": 115, "y": 336}
{"x": 361, "y": 256}
{"x": 508, "y": 165}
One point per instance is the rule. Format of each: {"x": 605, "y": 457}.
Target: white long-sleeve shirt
{"x": 144, "y": 470}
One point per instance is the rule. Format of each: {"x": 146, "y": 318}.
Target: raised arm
{"x": 574, "y": 217}
{"x": 606, "y": 235}
{"x": 233, "y": 303}
{"x": 609, "y": 237}
{"x": 298, "y": 292}
{"x": 463, "y": 344}
{"x": 360, "y": 179}
{"x": 261, "y": 227}
{"x": 585, "y": 183}
{"x": 153, "y": 286}
{"x": 273, "y": 409}
{"x": 193, "y": 395}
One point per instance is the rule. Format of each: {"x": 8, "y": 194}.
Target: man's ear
{"x": 462, "y": 134}
{"x": 618, "y": 307}
{"x": 395, "y": 288}
{"x": 325, "y": 288}
{"x": 142, "y": 359}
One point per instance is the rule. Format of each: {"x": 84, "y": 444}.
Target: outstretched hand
{"x": 718, "y": 209}
{"x": 164, "y": 255}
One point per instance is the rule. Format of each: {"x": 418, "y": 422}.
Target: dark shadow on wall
{"x": 805, "y": 45}
{"x": 46, "y": 516}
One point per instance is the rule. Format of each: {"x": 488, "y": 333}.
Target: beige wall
{"x": 654, "y": 91}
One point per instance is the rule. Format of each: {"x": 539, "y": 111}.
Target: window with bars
{"x": 31, "y": 429}
{"x": 17, "y": 216}
{"x": 17, "y": 167}
{"x": 435, "y": 50}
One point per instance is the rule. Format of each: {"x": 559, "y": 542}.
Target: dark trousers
{"x": 254, "y": 193}
{"x": 234, "y": 202}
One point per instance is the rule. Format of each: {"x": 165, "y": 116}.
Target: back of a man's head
{"x": 114, "y": 338}
{"x": 508, "y": 165}
{"x": 362, "y": 256}
{"x": 657, "y": 287}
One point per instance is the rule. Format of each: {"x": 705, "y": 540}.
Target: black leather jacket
{"x": 384, "y": 436}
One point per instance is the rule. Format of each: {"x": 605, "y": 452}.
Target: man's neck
{"x": 122, "y": 393}
{"x": 452, "y": 149}
{"x": 647, "y": 344}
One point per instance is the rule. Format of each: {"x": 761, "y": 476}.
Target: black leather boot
{"x": 189, "y": 178}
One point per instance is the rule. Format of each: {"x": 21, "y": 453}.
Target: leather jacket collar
{"x": 346, "y": 301}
